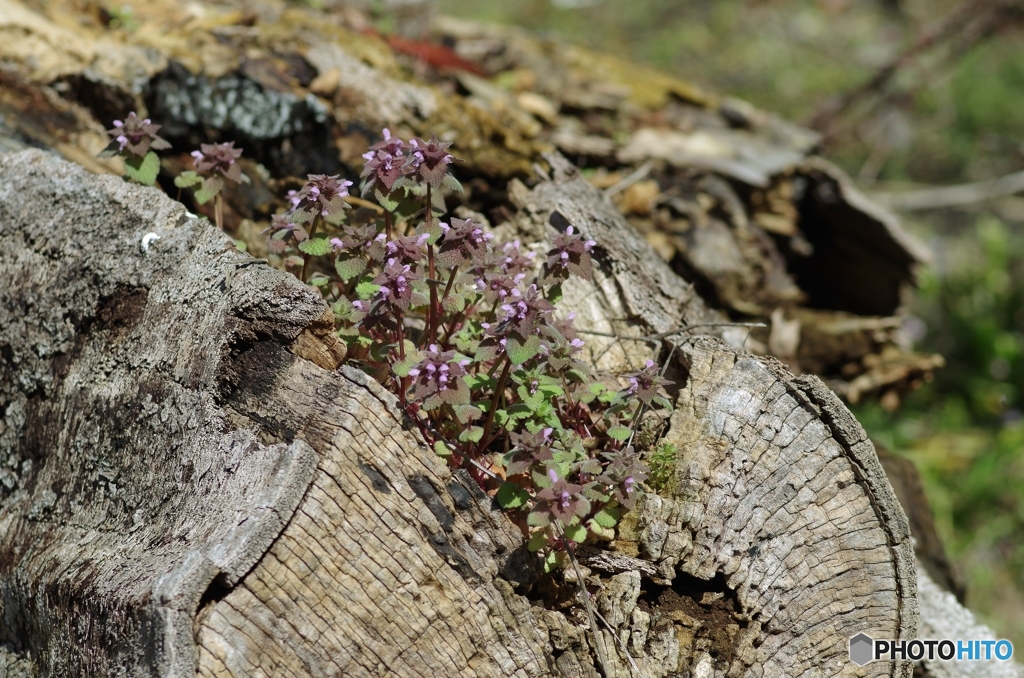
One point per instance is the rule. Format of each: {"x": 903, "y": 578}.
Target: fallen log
{"x": 191, "y": 481}
{"x": 186, "y": 491}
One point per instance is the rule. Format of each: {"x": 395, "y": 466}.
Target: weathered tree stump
{"x": 189, "y": 486}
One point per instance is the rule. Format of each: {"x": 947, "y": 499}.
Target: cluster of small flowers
{"x": 390, "y": 159}
{"x": 442, "y": 350}
{"x": 454, "y": 356}
{"x": 136, "y": 137}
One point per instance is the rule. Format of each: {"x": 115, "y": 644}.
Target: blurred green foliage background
{"x": 953, "y": 112}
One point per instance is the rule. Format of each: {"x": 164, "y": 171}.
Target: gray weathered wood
{"x": 190, "y": 487}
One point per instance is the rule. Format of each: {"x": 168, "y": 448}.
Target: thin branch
{"x": 953, "y": 196}
{"x": 639, "y": 174}
{"x": 964, "y": 27}
{"x": 629, "y": 657}
{"x": 602, "y": 657}
{"x": 664, "y": 335}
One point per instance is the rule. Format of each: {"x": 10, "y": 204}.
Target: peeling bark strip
{"x": 187, "y": 486}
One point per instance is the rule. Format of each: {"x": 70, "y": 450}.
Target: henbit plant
{"x": 135, "y": 140}
{"x": 466, "y": 332}
{"x": 213, "y": 163}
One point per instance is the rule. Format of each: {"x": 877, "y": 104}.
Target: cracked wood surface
{"x": 184, "y": 487}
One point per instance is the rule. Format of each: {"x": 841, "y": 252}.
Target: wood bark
{"x": 187, "y": 491}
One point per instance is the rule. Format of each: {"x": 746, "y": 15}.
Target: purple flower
{"x": 408, "y": 249}
{"x": 524, "y": 312}
{"x": 463, "y": 242}
{"x": 621, "y": 476}
{"x": 429, "y": 160}
{"x": 384, "y": 162}
{"x": 496, "y": 285}
{"x": 215, "y": 159}
{"x": 136, "y": 137}
{"x": 644, "y": 384}
{"x": 439, "y": 378}
{"x": 514, "y": 261}
{"x": 323, "y": 194}
{"x": 562, "y": 501}
{"x": 396, "y": 281}
{"x": 282, "y": 230}
{"x": 570, "y": 254}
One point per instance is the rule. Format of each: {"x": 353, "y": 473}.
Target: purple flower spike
{"x": 429, "y": 160}
{"x": 385, "y": 163}
{"x": 562, "y": 501}
{"x": 396, "y": 281}
{"x": 463, "y": 243}
{"x": 136, "y": 137}
{"x": 644, "y": 384}
{"x": 438, "y": 379}
{"x": 323, "y": 194}
{"x": 569, "y": 254}
{"x": 282, "y": 230}
{"x": 213, "y": 159}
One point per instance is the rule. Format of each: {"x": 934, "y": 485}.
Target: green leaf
{"x": 550, "y": 390}
{"x": 401, "y": 367}
{"x": 316, "y": 247}
{"x": 620, "y": 433}
{"x": 366, "y": 289}
{"x": 350, "y": 267}
{"x": 454, "y": 303}
{"x": 385, "y": 200}
{"x": 241, "y": 246}
{"x": 577, "y": 533}
{"x": 319, "y": 280}
{"x": 552, "y": 561}
{"x": 511, "y": 496}
{"x": 209, "y": 190}
{"x": 662, "y": 401}
{"x": 605, "y": 533}
{"x": 473, "y": 434}
{"x": 538, "y": 519}
{"x": 451, "y": 183}
{"x": 144, "y": 169}
{"x": 531, "y": 400}
{"x": 482, "y": 379}
{"x": 466, "y": 414}
{"x": 554, "y": 294}
{"x": 606, "y": 517}
{"x": 434, "y": 231}
{"x": 442, "y": 449}
{"x": 186, "y": 179}
{"x": 301, "y": 216}
{"x": 519, "y": 352}
{"x": 538, "y": 540}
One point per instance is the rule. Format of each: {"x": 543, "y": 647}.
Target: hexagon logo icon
{"x": 861, "y": 647}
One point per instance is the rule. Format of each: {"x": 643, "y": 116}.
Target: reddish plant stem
{"x": 569, "y": 400}
{"x": 484, "y": 440}
{"x": 403, "y": 382}
{"x": 431, "y": 273}
{"x": 218, "y": 212}
{"x": 387, "y": 224}
{"x": 452, "y": 325}
{"x": 448, "y": 287}
{"x": 305, "y": 256}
